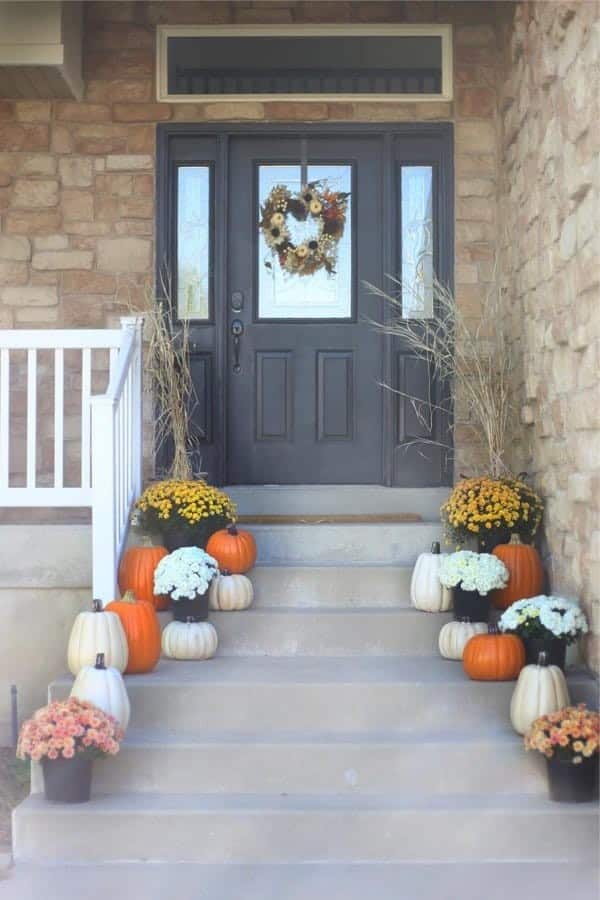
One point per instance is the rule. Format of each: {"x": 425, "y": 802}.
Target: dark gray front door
{"x": 304, "y": 367}
{"x": 288, "y": 368}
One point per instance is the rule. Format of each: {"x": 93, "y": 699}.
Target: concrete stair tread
{"x": 313, "y": 670}
{"x": 305, "y": 881}
{"x": 261, "y": 804}
{"x": 328, "y": 565}
{"x": 316, "y": 499}
{"x": 276, "y": 828}
{"x": 142, "y": 737}
{"x": 288, "y": 612}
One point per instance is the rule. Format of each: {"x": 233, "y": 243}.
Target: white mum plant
{"x": 479, "y": 572}
{"x": 545, "y": 617}
{"x": 185, "y": 573}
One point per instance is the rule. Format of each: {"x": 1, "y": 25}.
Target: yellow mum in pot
{"x": 184, "y": 513}
{"x": 491, "y": 509}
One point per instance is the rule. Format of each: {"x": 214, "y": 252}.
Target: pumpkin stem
{"x": 225, "y": 572}
{"x": 189, "y": 620}
{"x": 435, "y": 547}
{"x": 542, "y": 658}
{"x": 515, "y": 539}
{"x": 96, "y": 606}
{"x": 465, "y": 620}
{"x": 100, "y": 661}
{"x": 232, "y": 529}
{"x": 129, "y": 597}
{"x": 493, "y": 629}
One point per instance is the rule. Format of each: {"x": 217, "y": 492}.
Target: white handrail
{"x": 110, "y": 431}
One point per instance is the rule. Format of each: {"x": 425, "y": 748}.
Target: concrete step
{"x": 323, "y": 632}
{"x": 319, "y": 763}
{"x": 549, "y": 880}
{"x": 241, "y": 828}
{"x": 341, "y": 544}
{"x": 269, "y": 694}
{"x": 343, "y": 586}
{"x": 337, "y": 499}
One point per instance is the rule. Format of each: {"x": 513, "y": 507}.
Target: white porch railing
{"x": 108, "y": 441}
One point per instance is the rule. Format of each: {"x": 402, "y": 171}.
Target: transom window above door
{"x": 358, "y": 62}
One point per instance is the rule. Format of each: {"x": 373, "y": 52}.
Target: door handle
{"x": 237, "y": 330}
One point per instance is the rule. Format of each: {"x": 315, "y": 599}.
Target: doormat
{"x": 332, "y": 519}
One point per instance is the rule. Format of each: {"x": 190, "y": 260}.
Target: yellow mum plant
{"x": 491, "y": 510}
{"x": 186, "y": 513}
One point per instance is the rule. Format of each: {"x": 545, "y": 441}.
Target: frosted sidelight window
{"x": 193, "y": 242}
{"x": 305, "y": 242}
{"x": 417, "y": 237}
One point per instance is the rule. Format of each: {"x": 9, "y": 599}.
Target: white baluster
{"x": 4, "y": 416}
{"x": 86, "y": 382}
{"x": 31, "y": 417}
{"x": 59, "y": 413}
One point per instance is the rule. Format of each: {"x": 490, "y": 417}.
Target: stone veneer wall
{"x": 549, "y": 225}
{"x": 77, "y": 179}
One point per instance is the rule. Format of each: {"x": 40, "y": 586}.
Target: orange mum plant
{"x": 571, "y": 733}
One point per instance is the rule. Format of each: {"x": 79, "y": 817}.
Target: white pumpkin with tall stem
{"x": 540, "y": 690}
{"x": 426, "y": 590}
{"x": 105, "y": 688}
{"x": 97, "y": 632}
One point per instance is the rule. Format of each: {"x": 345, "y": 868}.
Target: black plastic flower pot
{"x": 554, "y": 648}
{"x": 176, "y": 536}
{"x": 194, "y": 609}
{"x": 68, "y": 780}
{"x": 573, "y": 783}
{"x": 471, "y": 605}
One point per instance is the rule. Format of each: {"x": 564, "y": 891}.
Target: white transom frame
{"x": 164, "y": 32}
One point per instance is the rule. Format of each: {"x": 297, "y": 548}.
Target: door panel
{"x": 306, "y": 403}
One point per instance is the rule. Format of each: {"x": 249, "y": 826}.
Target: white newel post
{"x": 104, "y": 486}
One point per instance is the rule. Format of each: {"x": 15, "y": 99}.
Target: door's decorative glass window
{"x": 416, "y": 190}
{"x": 305, "y": 242}
{"x": 193, "y": 242}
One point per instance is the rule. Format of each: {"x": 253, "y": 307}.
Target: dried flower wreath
{"x": 315, "y": 201}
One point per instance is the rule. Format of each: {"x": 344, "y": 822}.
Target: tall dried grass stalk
{"x": 167, "y": 365}
{"x": 472, "y": 355}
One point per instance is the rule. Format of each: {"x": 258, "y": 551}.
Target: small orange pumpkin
{"x": 136, "y": 573}
{"x": 493, "y": 656}
{"x": 526, "y": 573}
{"x": 142, "y": 630}
{"x": 233, "y": 549}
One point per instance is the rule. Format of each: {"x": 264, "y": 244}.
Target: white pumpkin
{"x": 189, "y": 640}
{"x": 230, "y": 592}
{"x": 105, "y": 688}
{"x": 427, "y": 593}
{"x": 93, "y": 633}
{"x": 454, "y": 636}
{"x": 540, "y": 690}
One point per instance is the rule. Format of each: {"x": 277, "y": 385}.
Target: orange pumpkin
{"x": 526, "y": 573}
{"x": 136, "y": 573}
{"x": 233, "y": 549}
{"x": 493, "y": 656}
{"x": 142, "y": 630}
